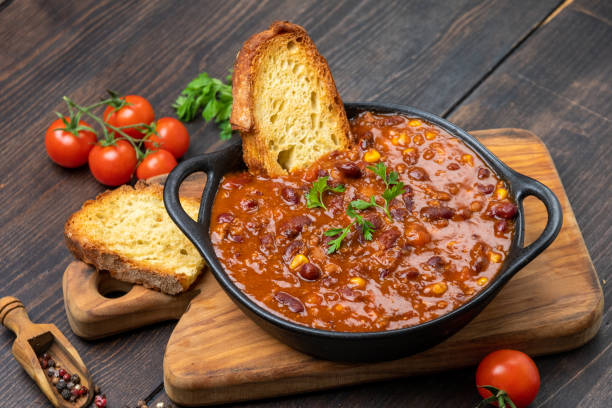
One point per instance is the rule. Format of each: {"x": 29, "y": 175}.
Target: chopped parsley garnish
{"x": 314, "y": 198}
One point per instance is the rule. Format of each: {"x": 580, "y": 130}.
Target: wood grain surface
{"x": 539, "y": 65}
{"x": 217, "y": 355}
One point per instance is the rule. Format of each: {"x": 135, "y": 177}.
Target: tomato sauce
{"x": 444, "y": 238}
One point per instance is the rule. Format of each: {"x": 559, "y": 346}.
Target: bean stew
{"x": 405, "y": 226}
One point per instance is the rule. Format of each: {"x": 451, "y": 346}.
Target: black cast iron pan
{"x": 370, "y": 346}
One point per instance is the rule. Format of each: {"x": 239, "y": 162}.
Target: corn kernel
{"x": 399, "y": 140}
{"x": 495, "y": 257}
{"x": 439, "y": 288}
{"x": 468, "y": 158}
{"x": 429, "y": 135}
{"x": 338, "y": 307}
{"x": 371, "y": 156}
{"x": 298, "y": 261}
{"x": 501, "y": 193}
{"x": 414, "y": 123}
{"x": 451, "y": 245}
{"x": 482, "y": 281}
{"x": 357, "y": 282}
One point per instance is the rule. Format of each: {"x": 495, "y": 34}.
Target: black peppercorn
{"x": 61, "y": 384}
{"x": 70, "y": 385}
{"x": 75, "y": 378}
{"x": 66, "y": 394}
{"x": 51, "y": 363}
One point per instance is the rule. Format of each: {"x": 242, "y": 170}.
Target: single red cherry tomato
{"x": 66, "y": 149}
{"x": 156, "y": 163}
{"x": 173, "y": 137}
{"x": 512, "y": 371}
{"x": 137, "y": 110}
{"x": 113, "y": 165}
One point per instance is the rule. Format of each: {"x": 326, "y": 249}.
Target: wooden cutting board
{"x": 216, "y": 354}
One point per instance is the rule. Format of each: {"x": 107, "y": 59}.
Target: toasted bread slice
{"x": 128, "y": 232}
{"x": 286, "y": 105}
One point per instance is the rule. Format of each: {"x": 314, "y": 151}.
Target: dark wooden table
{"x": 541, "y": 65}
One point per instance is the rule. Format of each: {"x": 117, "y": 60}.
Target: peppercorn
{"x": 70, "y": 385}
{"x": 62, "y": 372}
{"x": 84, "y": 390}
{"x": 51, "y": 371}
{"x": 51, "y": 363}
{"x": 61, "y": 384}
{"x": 75, "y": 378}
{"x": 76, "y": 392}
{"x": 46, "y": 356}
{"x": 66, "y": 394}
{"x": 66, "y": 377}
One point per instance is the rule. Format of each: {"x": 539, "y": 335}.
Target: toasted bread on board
{"x": 128, "y": 232}
{"x": 286, "y": 105}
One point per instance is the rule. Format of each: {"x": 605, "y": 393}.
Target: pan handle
{"x": 215, "y": 165}
{"x": 530, "y": 187}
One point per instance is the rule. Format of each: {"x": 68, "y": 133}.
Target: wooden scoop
{"x": 35, "y": 339}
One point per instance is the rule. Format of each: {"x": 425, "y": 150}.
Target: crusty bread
{"x": 286, "y": 105}
{"x": 128, "y": 232}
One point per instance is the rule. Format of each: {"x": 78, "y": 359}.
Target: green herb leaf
{"x": 314, "y": 198}
{"x": 212, "y": 97}
{"x": 362, "y": 205}
{"x": 334, "y": 245}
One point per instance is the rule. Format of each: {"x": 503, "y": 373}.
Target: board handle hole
{"x": 112, "y": 288}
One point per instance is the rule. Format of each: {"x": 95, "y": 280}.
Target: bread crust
{"x": 120, "y": 268}
{"x": 255, "y": 151}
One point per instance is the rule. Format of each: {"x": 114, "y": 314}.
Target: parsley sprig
{"x": 314, "y": 198}
{"x": 366, "y": 228}
{"x": 212, "y": 97}
{"x": 393, "y": 188}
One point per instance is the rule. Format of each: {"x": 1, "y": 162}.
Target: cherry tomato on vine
{"x": 511, "y": 371}
{"x": 66, "y": 149}
{"x": 114, "y": 164}
{"x": 171, "y": 135}
{"x": 156, "y": 163}
{"x": 137, "y": 110}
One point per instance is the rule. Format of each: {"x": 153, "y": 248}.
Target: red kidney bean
{"x": 500, "y": 227}
{"x": 350, "y": 170}
{"x": 290, "y": 195}
{"x": 292, "y": 250}
{"x": 483, "y": 173}
{"x": 388, "y": 238}
{"x": 294, "y": 304}
{"x": 418, "y": 173}
{"x": 322, "y": 173}
{"x": 453, "y": 167}
{"x": 435, "y": 262}
{"x": 480, "y": 264}
{"x": 399, "y": 213}
{"x": 249, "y": 205}
{"x": 310, "y": 271}
{"x": 410, "y": 273}
{"x": 373, "y": 219}
{"x": 462, "y": 214}
{"x": 437, "y": 213}
{"x": 236, "y": 238}
{"x": 294, "y": 226}
{"x": 506, "y": 211}
{"x": 392, "y": 121}
{"x": 408, "y": 201}
{"x": 485, "y": 188}
{"x": 225, "y": 217}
